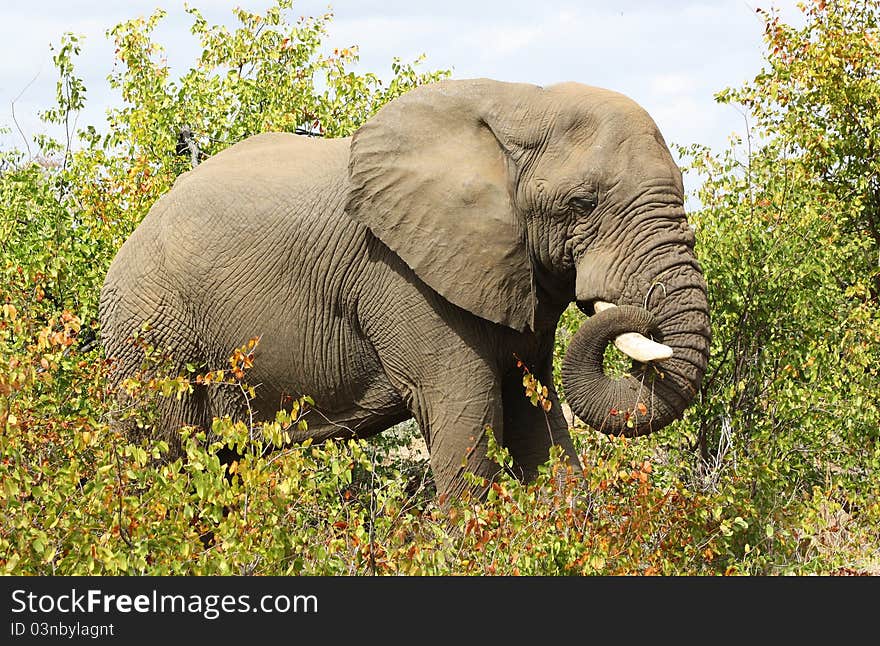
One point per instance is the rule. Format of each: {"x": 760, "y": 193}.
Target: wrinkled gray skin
{"x": 396, "y": 274}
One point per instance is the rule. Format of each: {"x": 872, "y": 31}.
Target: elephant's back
{"x": 236, "y": 210}
{"x": 272, "y": 160}
{"x": 271, "y": 176}
{"x": 254, "y": 219}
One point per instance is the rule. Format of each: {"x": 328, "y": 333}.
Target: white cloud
{"x": 683, "y": 119}
{"x": 674, "y": 84}
{"x": 494, "y": 43}
{"x": 671, "y": 57}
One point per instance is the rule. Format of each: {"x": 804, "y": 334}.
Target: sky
{"x": 671, "y": 56}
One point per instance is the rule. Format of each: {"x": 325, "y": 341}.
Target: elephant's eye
{"x": 582, "y": 204}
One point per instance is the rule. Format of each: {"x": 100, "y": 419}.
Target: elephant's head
{"x": 512, "y": 200}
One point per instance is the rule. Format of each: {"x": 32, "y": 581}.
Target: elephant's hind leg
{"x": 149, "y": 353}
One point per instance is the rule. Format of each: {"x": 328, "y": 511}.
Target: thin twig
{"x": 123, "y": 532}
{"x": 651, "y": 289}
{"x": 250, "y": 408}
{"x": 372, "y": 512}
{"x": 12, "y": 105}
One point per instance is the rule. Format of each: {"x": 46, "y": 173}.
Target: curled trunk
{"x": 653, "y": 394}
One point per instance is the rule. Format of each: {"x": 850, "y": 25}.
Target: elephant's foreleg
{"x": 454, "y": 403}
{"x": 441, "y": 361}
{"x": 456, "y": 431}
{"x": 530, "y": 431}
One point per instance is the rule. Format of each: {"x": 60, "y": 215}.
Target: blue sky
{"x": 671, "y": 56}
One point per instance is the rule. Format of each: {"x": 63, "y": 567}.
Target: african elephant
{"x": 402, "y": 273}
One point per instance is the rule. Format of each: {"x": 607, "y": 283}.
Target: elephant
{"x": 403, "y": 272}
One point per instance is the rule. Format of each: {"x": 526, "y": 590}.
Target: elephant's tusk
{"x": 636, "y": 345}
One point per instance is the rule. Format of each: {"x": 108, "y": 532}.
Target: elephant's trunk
{"x": 653, "y": 394}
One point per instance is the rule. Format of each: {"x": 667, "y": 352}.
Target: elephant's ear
{"x": 429, "y": 176}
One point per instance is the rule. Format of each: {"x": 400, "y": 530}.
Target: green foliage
{"x": 788, "y": 420}
{"x": 265, "y": 75}
{"x": 819, "y": 97}
{"x": 774, "y": 470}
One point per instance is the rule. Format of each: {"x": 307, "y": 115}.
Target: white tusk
{"x": 636, "y": 345}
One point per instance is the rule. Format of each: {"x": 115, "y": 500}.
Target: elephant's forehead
{"x": 588, "y": 107}
{"x": 605, "y": 151}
